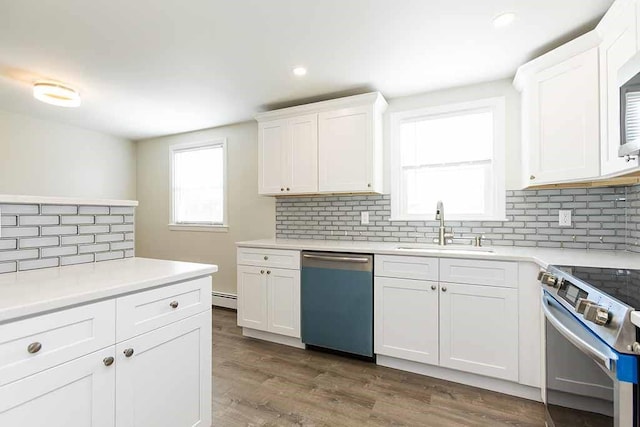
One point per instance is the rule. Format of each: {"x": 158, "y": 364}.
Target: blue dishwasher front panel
{"x": 337, "y": 309}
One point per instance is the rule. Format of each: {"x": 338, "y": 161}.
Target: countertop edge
{"x": 41, "y": 307}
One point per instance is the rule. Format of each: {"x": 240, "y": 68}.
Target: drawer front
{"x": 32, "y": 345}
{"x": 479, "y": 272}
{"x": 406, "y": 267}
{"x": 145, "y": 311}
{"x": 275, "y": 258}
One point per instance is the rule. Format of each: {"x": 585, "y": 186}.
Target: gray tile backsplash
{"x": 40, "y": 236}
{"x": 602, "y": 218}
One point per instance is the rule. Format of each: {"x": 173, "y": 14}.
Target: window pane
{"x": 466, "y": 136}
{"x": 465, "y": 190}
{"x": 199, "y": 185}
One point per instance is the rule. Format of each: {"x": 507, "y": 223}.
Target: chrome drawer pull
{"x": 174, "y": 304}
{"x": 34, "y": 347}
{"x": 128, "y": 352}
{"x": 108, "y": 361}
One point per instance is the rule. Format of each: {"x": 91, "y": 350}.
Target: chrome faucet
{"x": 443, "y": 237}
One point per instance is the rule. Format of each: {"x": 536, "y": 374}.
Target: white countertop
{"x": 46, "y": 200}
{"x": 541, "y": 256}
{"x": 31, "y": 292}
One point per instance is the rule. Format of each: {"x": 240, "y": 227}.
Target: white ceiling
{"x": 156, "y": 67}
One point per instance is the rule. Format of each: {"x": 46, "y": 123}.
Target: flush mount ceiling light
{"x": 504, "y": 19}
{"x": 56, "y": 94}
{"x": 300, "y": 71}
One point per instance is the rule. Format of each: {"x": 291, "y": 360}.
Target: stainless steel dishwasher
{"x": 337, "y": 302}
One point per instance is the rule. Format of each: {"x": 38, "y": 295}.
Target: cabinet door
{"x": 406, "y": 319}
{"x": 272, "y": 142}
{"x": 166, "y": 382}
{"x": 252, "y": 297}
{"x": 346, "y": 150}
{"x": 564, "y": 131}
{"x": 284, "y": 302}
{"x": 302, "y": 155}
{"x": 479, "y": 330}
{"x": 80, "y": 393}
{"x": 618, "y": 46}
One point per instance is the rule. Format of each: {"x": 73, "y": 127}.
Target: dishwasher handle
{"x": 337, "y": 258}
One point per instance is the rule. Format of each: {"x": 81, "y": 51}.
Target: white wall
{"x": 44, "y": 158}
{"x": 470, "y": 93}
{"x": 250, "y": 216}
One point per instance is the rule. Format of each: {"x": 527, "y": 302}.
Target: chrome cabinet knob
{"x": 266, "y": 258}
{"x": 108, "y": 361}
{"x": 282, "y": 189}
{"x": 369, "y": 185}
{"x": 268, "y": 271}
{"x": 532, "y": 177}
{"x": 444, "y": 289}
{"x": 34, "y": 347}
{"x": 261, "y": 271}
{"x": 288, "y": 189}
{"x": 174, "y": 304}
{"x": 128, "y": 352}
{"x": 433, "y": 287}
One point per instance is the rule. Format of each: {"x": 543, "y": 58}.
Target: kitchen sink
{"x": 449, "y": 248}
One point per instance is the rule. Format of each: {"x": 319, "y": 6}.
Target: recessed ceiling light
{"x": 300, "y": 71}
{"x": 504, "y": 19}
{"x": 56, "y": 94}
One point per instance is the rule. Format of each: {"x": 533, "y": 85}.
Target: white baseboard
{"x": 268, "y": 336}
{"x": 474, "y": 380}
{"x": 224, "y": 299}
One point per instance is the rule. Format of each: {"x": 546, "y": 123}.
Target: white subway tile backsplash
{"x": 39, "y": 220}
{"x": 58, "y": 210}
{"x": 19, "y": 209}
{"x": 93, "y": 210}
{"x": 42, "y": 236}
{"x": 58, "y": 230}
{"x": 38, "y": 263}
{"x": 39, "y": 242}
{"x": 77, "y": 220}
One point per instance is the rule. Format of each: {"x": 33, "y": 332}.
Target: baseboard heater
{"x": 224, "y": 299}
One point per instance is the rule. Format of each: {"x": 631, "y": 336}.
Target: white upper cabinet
{"x": 561, "y": 114}
{"x": 327, "y": 147}
{"x": 618, "y": 30}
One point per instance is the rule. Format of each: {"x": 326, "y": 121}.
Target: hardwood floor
{"x": 257, "y": 383}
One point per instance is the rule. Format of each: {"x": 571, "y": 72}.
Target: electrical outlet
{"x": 364, "y": 218}
{"x": 564, "y": 218}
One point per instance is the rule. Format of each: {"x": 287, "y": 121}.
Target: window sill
{"x": 199, "y": 227}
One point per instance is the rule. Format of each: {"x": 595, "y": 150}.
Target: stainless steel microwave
{"x": 629, "y": 83}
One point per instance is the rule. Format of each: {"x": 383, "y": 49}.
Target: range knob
{"x": 548, "y": 279}
{"x": 582, "y": 304}
{"x": 596, "y": 314}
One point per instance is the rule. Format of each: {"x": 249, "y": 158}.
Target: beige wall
{"x": 44, "y": 158}
{"x": 497, "y": 88}
{"x": 250, "y": 216}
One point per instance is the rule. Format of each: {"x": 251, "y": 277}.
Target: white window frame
{"x": 497, "y": 106}
{"x": 224, "y": 226}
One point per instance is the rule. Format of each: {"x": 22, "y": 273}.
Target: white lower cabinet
{"x": 479, "y": 329}
{"x": 269, "y": 299}
{"x": 159, "y": 378}
{"x": 162, "y": 377}
{"x": 406, "y": 313}
{"x": 85, "y": 384}
{"x": 470, "y": 327}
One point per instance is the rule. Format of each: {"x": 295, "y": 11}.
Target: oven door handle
{"x": 553, "y": 314}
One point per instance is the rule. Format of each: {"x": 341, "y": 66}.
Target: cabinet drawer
{"x": 479, "y": 272}
{"x": 60, "y": 337}
{"x": 146, "y": 311}
{"x": 276, "y": 258}
{"x": 406, "y": 267}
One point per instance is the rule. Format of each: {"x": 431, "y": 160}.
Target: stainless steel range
{"x": 592, "y": 347}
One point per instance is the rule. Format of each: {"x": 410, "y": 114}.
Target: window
{"x": 198, "y": 185}
{"x": 453, "y": 153}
